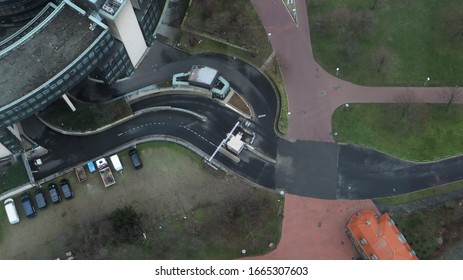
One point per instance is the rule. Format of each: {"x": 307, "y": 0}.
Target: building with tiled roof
{"x": 378, "y": 238}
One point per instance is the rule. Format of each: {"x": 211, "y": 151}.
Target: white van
{"x": 11, "y": 211}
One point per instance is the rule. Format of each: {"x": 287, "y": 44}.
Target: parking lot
{"x": 171, "y": 181}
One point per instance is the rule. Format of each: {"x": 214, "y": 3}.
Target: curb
{"x": 141, "y": 140}
{"x": 153, "y": 109}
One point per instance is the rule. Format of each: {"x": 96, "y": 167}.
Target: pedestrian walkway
{"x": 314, "y": 229}
{"x": 313, "y": 93}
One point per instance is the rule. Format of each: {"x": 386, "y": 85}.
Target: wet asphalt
{"x": 306, "y": 168}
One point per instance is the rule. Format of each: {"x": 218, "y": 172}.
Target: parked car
{"x": 54, "y": 194}
{"x": 11, "y": 211}
{"x": 28, "y": 206}
{"x": 66, "y": 189}
{"x": 40, "y": 199}
{"x": 136, "y": 161}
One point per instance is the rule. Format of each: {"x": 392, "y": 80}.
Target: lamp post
{"x": 337, "y": 71}
{"x": 427, "y": 81}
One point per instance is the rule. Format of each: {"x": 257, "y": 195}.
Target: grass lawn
{"x": 273, "y": 71}
{"x": 419, "y": 132}
{"x": 12, "y": 176}
{"x": 430, "y": 192}
{"x": 395, "y": 42}
{"x": 88, "y": 116}
{"x": 190, "y": 43}
{"x": 189, "y": 211}
{"x": 432, "y": 231}
{"x": 235, "y": 22}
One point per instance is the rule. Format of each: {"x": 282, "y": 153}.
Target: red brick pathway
{"x": 314, "y": 229}
{"x": 314, "y": 94}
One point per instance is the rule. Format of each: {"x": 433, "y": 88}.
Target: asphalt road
{"x": 67, "y": 151}
{"x": 365, "y": 173}
{"x": 308, "y": 168}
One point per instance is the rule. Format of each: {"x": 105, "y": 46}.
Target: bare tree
{"x": 451, "y": 95}
{"x": 404, "y": 102}
{"x": 382, "y": 60}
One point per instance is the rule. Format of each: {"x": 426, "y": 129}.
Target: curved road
{"x": 308, "y": 168}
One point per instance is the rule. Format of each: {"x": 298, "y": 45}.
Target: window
{"x": 401, "y": 237}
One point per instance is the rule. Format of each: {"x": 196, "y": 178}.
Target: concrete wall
{"x": 4, "y": 152}
{"x": 129, "y": 32}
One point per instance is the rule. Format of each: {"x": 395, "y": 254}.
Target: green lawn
{"x": 88, "y": 116}
{"x": 395, "y": 42}
{"x": 419, "y": 132}
{"x": 235, "y": 22}
{"x": 214, "y": 231}
{"x": 273, "y": 71}
{"x": 431, "y": 231}
{"x": 190, "y": 43}
{"x": 13, "y": 176}
{"x": 426, "y": 193}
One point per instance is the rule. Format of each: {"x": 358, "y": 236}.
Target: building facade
{"x": 61, "y": 46}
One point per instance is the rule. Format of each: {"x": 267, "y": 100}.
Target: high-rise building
{"x": 62, "y": 45}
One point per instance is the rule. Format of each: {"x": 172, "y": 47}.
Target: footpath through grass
{"x": 418, "y": 132}
{"x": 394, "y": 42}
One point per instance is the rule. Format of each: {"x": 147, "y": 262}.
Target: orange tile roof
{"x": 379, "y": 237}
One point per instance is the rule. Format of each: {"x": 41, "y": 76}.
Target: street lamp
{"x": 337, "y": 71}
{"x": 427, "y": 81}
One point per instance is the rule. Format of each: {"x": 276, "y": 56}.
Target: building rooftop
{"x": 112, "y": 6}
{"x": 379, "y": 237}
{"x": 235, "y": 144}
{"x": 203, "y": 75}
{"x": 47, "y": 50}
{"x": 42, "y": 16}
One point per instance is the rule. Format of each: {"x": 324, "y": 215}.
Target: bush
{"x": 127, "y": 224}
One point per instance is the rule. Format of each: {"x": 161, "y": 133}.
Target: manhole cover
{"x": 322, "y": 93}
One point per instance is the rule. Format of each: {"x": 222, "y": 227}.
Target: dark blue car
{"x": 66, "y": 189}
{"x": 28, "y": 207}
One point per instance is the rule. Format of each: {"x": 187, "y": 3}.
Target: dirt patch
{"x": 238, "y": 103}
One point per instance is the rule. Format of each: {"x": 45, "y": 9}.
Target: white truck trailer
{"x": 116, "y": 163}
